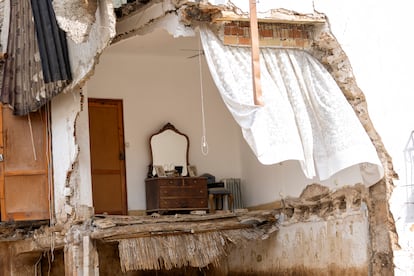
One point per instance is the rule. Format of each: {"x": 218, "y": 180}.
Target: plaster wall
{"x": 372, "y": 34}
{"x": 65, "y": 108}
{"x": 160, "y": 89}
{"x": 382, "y": 62}
{"x": 332, "y": 246}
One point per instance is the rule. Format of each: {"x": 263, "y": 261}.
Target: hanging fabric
{"x": 305, "y": 117}
{"x": 52, "y": 42}
{"x": 37, "y": 67}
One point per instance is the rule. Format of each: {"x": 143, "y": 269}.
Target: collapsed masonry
{"x": 80, "y": 237}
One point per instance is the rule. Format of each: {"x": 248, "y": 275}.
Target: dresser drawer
{"x": 183, "y": 203}
{"x": 168, "y": 182}
{"x": 194, "y": 181}
{"x": 176, "y": 193}
{"x": 186, "y": 191}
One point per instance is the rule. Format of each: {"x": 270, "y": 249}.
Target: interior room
{"x": 163, "y": 79}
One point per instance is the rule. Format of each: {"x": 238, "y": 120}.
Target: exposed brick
{"x": 231, "y": 40}
{"x": 244, "y": 24}
{"x": 244, "y": 41}
{"x": 270, "y": 34}
{"x": 237, "y": 31}
{"x": 266, "y": 33}
{"x": 232, "y": 23}
{"x": 290, "y": 33}
{"x": 300, "y": 43}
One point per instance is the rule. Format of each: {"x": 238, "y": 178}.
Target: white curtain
{"x": 305, "y": 116}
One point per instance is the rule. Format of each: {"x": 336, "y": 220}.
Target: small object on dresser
{"x": 149, "y": 173}
{"x": 192, "y": 171}
{"x": 179, "y": 169}
{"x": 170, "y": 173}
{"x": 159, "y": 170}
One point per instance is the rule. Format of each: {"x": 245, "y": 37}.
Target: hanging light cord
{"x": 204, "y": 144}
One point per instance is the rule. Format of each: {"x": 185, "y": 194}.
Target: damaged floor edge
{"x": 204, "y": 240}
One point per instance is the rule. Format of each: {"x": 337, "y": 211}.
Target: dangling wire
{"x": 31, "y": 137}
{"x": 204, "y": 144}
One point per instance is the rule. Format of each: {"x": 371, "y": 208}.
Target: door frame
{"x": 118, "y": 103}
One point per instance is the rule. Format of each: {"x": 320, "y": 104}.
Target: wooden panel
{"x": 24, "y": 143}
{"x": 107, "y": 194}
{"x": 104, "y": 137}
{"x": 186, "y": 191}
{"x": 24, "y": 182}
{"x": 107, "y": 156}
{"x": 190, "y": 203}
{"x": 195, "y": 181}
{"x": 2, "y": 196}
{"x": 152, "y": 194}
{"x": 26, "y": 197}
{"x": 168, "y": 182}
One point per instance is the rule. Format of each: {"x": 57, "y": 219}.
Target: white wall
{"x": 156, "y": 90}
{"x": 65, "y": 108}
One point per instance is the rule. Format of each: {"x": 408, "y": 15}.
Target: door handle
{"x": 121, "y": 156}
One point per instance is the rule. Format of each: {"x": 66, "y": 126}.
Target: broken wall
{"x": 85, "y": 46}
{"x": 328, "y": 246}
{"x": 380, "y": 194}
{"x": 381, "y": 61}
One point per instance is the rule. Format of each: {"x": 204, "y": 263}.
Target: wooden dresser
{"x": 176, "y": 194}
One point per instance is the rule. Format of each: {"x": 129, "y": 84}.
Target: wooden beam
{"x": 176, "y": 226}
{"x": 254, "y": 37}
{"x": 81, "y": 258}
{"x": 275, "y": 17}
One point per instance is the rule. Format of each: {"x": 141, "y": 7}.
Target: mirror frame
{"x": 171, "y": 127}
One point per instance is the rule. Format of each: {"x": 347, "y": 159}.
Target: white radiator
{"x": 234, "y": 185}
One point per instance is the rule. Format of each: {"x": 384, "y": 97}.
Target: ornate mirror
{"x": 169, "y": 149}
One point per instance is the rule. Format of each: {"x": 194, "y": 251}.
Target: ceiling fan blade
{"x": 193, "y": 56}
{"x": 196, "y": 55}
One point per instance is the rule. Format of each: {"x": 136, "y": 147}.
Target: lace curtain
{"x": 305, "y": 116}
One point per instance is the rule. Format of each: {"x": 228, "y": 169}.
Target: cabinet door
{"x": 24, "y": 181}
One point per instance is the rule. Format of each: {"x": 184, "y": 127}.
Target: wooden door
{"x": 25, "y": 169}
{"x": 107, "y": 156}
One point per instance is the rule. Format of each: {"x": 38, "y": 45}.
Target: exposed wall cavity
{"x": 76, "y": 17}
{"x": 161, "y": 14}
{"x": 382, "y": 226}
{"x": 84, "y": 56}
